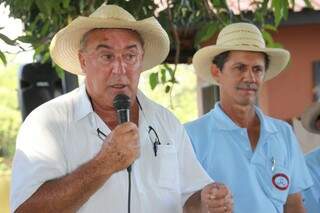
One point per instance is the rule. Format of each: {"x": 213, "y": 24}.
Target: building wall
{"x": 288, "y": 95}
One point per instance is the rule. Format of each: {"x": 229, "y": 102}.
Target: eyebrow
{"x": 241, "y": 63}
{"x": 238, "y": 63}
{"x": 109, "y": 47}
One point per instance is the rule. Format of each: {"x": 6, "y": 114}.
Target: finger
{"x": 220, "y": 192}
{"x": 125, "y": 127}
{"x": 131, "y": 138}
{"x": 229, "y": 198}
{"x": 216, "y": 203}
{"x": 222, "y": 209}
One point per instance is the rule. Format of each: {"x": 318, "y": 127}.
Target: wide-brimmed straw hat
{"x": 239, "y": 36}
{"x": 65, "y": 44}
{"x": 309, "y": 117}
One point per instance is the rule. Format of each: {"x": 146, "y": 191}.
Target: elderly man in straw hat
{"x": 311, "y": 122}
{"x": 71, "y": 153}
{"x": 256, "y": 156}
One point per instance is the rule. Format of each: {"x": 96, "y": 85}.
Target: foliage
{"x": 10, "y": 117}
{"x": 3, "y": 166}
{"x": 182, "y": 103}
{"x": 8, "y": 41}
{"x": 201, "y": 18}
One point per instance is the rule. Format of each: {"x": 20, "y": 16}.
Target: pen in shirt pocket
{"x": 273, "y": 162}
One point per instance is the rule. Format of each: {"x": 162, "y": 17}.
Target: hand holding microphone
{"x": 122, "y": 144}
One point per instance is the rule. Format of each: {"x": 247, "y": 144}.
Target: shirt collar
{"x": 82, "y": 105}
{"x": 223, "y": 121}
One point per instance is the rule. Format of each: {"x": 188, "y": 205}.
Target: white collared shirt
{"x": 61, "y": 135}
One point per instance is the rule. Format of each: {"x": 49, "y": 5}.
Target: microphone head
{"x": 121, "y": 101}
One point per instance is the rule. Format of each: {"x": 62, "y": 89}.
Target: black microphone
{"x": 122, "y": 105}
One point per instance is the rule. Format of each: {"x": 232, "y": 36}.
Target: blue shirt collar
{"x": 223, "y": 121}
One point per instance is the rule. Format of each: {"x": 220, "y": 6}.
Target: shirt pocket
{"x": 275, "y": 182}
{"x": 168, "y": 167}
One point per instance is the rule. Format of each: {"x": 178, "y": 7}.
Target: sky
{"x": 13, "y": 28}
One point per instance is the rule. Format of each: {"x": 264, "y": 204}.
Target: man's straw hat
{"x": 239, "y": 36}
{"x": 65, "y": 44}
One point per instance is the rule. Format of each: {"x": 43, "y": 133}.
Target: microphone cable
{"x": 122, "y": 105}
{"x": 129, "y": 189}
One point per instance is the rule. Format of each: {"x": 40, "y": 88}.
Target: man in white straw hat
{"x": 311, "y": 121}
{"x": 256, "y": 156}
{"x": 71, "y": 153}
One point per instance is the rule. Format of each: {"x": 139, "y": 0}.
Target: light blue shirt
{"x": 312, "y": 195}
{"x": 259, "y": 180}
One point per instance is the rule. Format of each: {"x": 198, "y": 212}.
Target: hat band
{"x": 252, "y": 42}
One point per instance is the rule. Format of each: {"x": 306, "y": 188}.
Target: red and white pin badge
{"x": 280, "y": 181}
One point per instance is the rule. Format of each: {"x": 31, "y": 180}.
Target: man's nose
{"x": 119, "y": 66}
{"x": 250, "y": 76}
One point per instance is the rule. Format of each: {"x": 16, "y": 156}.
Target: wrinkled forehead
{"x": 96, "y": 32}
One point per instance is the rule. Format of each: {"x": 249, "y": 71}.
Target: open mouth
{"x": 118, "y": 86}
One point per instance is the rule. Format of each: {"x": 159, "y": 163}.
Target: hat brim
{"x": 202, "y": 60}
{"x": 65, "y": 45}
{"x": 309, "y": 116}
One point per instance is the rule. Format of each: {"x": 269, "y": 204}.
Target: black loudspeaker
{"x": 38, "y": 83}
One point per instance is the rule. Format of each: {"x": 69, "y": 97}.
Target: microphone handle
{"x": 124, "y": 116}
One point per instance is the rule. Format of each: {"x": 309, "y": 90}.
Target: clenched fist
{"x": 217, "y": 198}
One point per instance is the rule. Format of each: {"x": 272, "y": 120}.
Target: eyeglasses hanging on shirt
{"x": 153, "y": 136}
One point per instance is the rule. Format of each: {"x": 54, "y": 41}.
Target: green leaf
{"x": 81, "y": 6}
{"x": 167, "y": 89}
{"x": 25, "y": 39}
{"x": 277, "y": 6}
{"x": 59, "y": 71}
{"x": 163, "y": 76}
{"x": 45, "y": 57}
{"x": 285, "y": 9}
{"x": 3, "y": 58}
{"x": 216, "y": 3}
{"x": 44, "y": 7}
{"x": 276, "y": 45}
{"x": 269, "y": 27}
{"x": 169, "y": 69}
{"x": 268, "y": 38}
{"x": 219, "y": 3}
{"x": 65, "y": 3}
{"x": 153, "y": 80}
{"x": 45, "y": 28}
{"x": 7, "y": 40}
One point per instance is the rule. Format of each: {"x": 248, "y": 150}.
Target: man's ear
{"x": 215, "y": 72}
{"x": 82, "y": 61}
